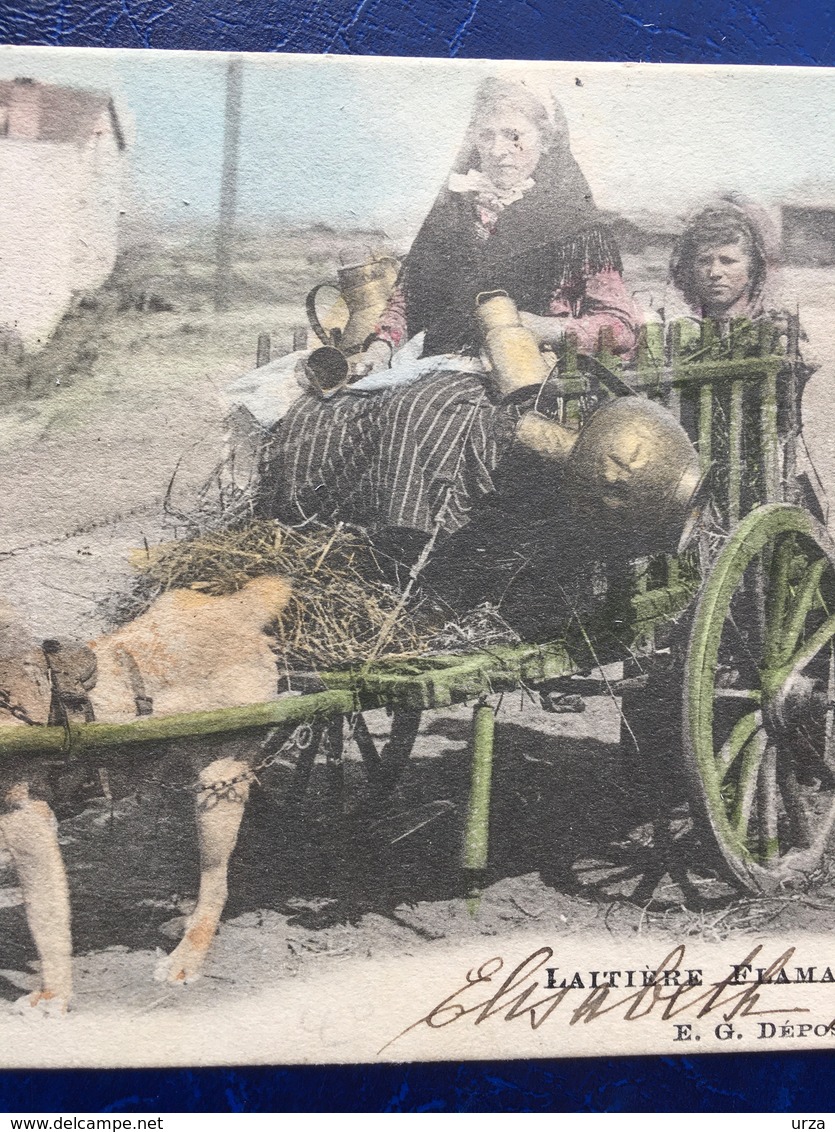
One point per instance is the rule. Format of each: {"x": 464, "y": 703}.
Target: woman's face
{"x": 722, "y": 273}
{"x": 509, "y": 147}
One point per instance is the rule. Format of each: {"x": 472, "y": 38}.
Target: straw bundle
{"x": 341, "y": 597}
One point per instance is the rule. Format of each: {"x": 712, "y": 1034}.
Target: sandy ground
{"x": 325, "y": 882}
{"x": 84, "y": 471}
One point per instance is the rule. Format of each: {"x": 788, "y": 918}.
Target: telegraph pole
{"x": 228, "y": 184}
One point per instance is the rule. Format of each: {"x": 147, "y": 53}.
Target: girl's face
{"x": 509, "y": 147}
{"x": 722, "y": 273}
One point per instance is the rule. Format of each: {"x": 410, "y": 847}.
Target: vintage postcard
{"x": 417, "y": 586}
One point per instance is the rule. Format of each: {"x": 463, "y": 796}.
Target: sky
{"x": 368, "y": 141}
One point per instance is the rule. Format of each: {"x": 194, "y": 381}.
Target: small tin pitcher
{"x": 363, "y": 290}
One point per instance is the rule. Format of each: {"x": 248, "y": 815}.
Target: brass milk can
{"x": 517, "y": 363}
{"x": 631, "y": 474}
{"x": 634, "y": 478}
{"x": 516, "y": 360}
{"x": 363, "y": 291}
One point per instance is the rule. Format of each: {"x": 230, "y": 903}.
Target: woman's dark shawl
{"x": 552, "y": 238}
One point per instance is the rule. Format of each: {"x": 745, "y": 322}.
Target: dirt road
{"x": 85, "y": 470}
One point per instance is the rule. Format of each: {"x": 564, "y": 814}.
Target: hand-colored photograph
{"x": 417, "y": 585}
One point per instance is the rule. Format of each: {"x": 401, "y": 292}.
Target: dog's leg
{"x": 29, "y": 828}
{"x": 219, "y": 814}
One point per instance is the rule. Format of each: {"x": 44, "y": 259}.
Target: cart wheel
{"x": 758, "y": 698}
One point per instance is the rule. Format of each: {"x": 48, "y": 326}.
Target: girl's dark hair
{"x": 718, "y": 224}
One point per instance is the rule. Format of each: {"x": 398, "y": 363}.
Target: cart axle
{"x": 798, "y": 702}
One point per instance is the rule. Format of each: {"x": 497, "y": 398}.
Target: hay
{"x": 480, "y": 629}
{"x": 341, "y": 600}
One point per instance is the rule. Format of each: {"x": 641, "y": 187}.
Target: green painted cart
{"x": 735, "y": 637}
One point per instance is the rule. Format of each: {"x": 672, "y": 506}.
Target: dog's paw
{"x": 184, "y": 963}
{"x": 182, "y": 966}
{"x": 43, "y": 1004}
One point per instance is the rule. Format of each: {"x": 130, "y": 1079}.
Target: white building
{"x": 60, "y": 158}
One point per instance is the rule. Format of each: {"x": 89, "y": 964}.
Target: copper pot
{"x": 634, "y": 477}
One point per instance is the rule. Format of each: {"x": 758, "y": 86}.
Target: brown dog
{"x": 188, "y": 652}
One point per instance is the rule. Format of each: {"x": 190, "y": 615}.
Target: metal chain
{"x": 226, "y": 789}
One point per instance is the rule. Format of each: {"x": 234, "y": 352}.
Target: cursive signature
{"x": 530, "y": 993}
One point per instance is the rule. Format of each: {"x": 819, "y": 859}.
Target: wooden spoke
{"x": 829, "y": 729}
{"x": 752, "y": 694}
{"x": 814, "y": 645}
{"x": 747, "y": 785}
{"x": 777, "y": 598}
{"x": 796, "y": 809}
{"x": 768, "y": 840}
{"x": 743, "y": 640}
{"x": 743, "y": 731}
{"x": 805, "y": 598}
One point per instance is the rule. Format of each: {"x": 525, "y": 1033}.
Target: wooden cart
{"x": 735, "y": 637}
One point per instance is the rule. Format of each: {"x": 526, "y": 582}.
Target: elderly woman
{"x": 418, "y": 459}
{"x": 515, "y": 214}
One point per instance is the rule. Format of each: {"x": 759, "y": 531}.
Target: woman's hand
{"x": 547, "y": 329}
{"x": 376, "y": 357}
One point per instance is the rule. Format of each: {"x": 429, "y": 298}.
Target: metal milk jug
{"x": 516, "y": 362}
{"x": 363, "y": 290}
